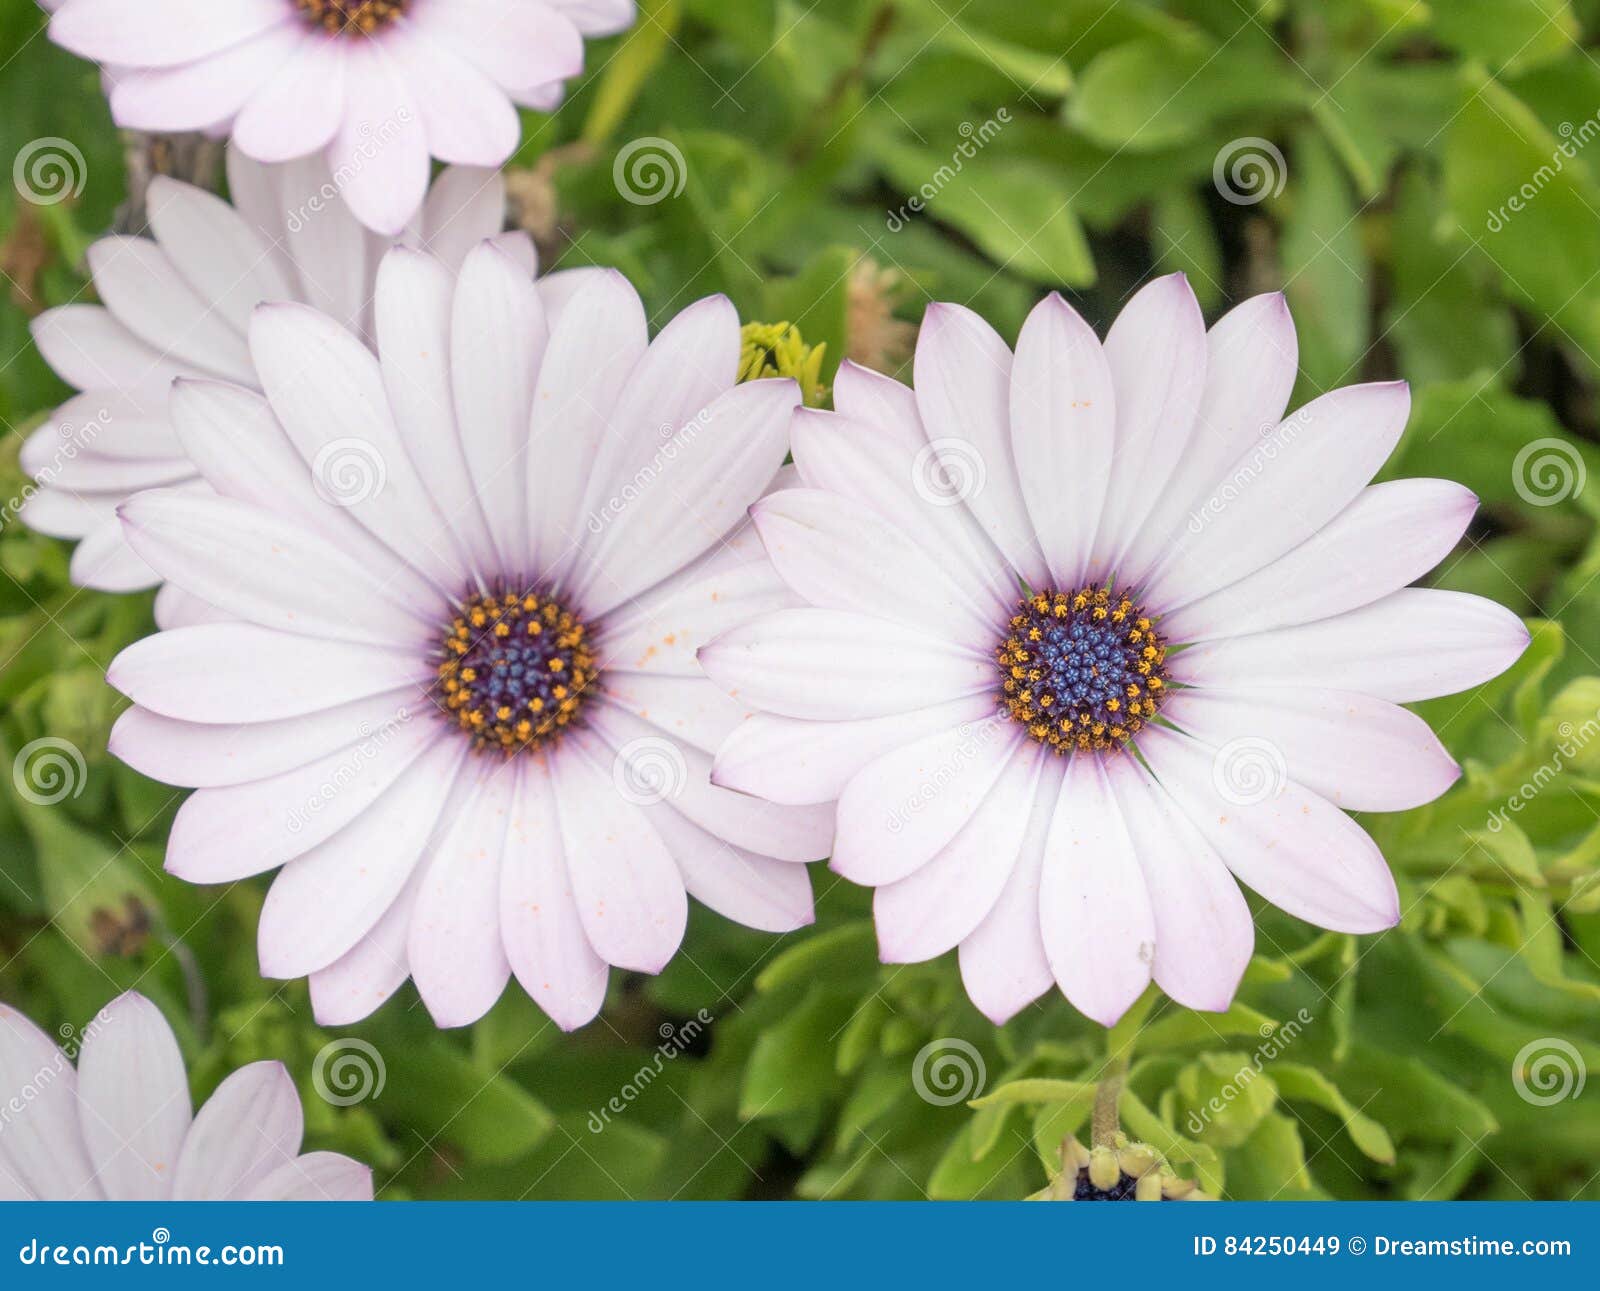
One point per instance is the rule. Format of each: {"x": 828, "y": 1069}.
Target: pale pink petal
{"x": 160, "y": 33}
{"x": 824, "y": 664}
{"x": 297, "y": 110}
{"x": 135, "y": 1097}
{"x": 963, "y": 387}
{"x": 873, "y": 399}
{"x": 1360, "y": 753}
{"x": 331, "y": 896}
{"x": 220, "y": 835}
{"x": 316, "y": 1176}
{"x": 1156, "y": 350}
{"x": 454, "y": 949}
{"x": 466, "y": 117}
{"x": 756, "y": 891}
{"x": 816, "y": 540}
{"x": 939, "y": 905}
{"x": 1094, "y": 908}
{"x": 465, "y": 206}
{"x": 1417, "y": 643}
{"x": 88, "y": 348}
{"x": 356, "y": 984}
{"x": 42, "y": 1151}
{"x": 1063, "y": 428}
{"x": 1293, "y": 847}
{"x": 207, "y": 92}
{"x": 1003, "y": 962}
{"x": 628, "y": 890}
{"x": 1252, "y": 358}
{"x": 1282, "y": 491}
{"x": 539, "y": 922}
{"x": 897, "y": 812}
{"x": 1390, "y": 535}
{"x": 248, "y": 1128}
{"x": 789, "y": 760}
{"x": 1204, "y": 934}
{"x": 379, "y": 152}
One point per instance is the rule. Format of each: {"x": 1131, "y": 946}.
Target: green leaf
{"x": 1300, "y": 1083}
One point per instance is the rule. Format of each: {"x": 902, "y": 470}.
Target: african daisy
{"x": 459, "y": 704}
{"x": 375, "y": 86}
{"x": 178, "y": 304}
{"x": 1092, "y": 632}
{"x": 120, "y": 1128}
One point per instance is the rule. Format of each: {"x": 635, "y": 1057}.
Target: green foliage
{"x": 1433, "y": 211}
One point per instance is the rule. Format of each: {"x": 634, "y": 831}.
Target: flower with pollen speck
{"x": 1094, "y": 633}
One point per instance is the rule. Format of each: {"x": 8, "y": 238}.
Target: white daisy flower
{"x": 1093, "y": 632}
{"x": 456, "y": 698}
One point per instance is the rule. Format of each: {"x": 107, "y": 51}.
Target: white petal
{"x": 236, "y": 672}
{"x": 839, "y": 555}
{"x": 1282, "y": 490}
{"x": 249, "y": 1127}
{"x": 454, "y": 949}
{"x": 1204, "y": 934}
{"x": 1003, "y": 961}
{"x": 1063, "y": 428}
{"x": 1094, "y": 909}
{"x": 824, "y": 664}
{"x": 1294, "y": 848}
{"x": 135, "y": 1096}
{"x": 1360, "y": 753}
{"x": 789, "y": 760}
{"x": 356, "y": 984}
{"x": 224, "y": 834}
{"x": 629, "y": 892}
{"x": 1251, "y": 360}
{"x": 331, "y": 896}
{"x": 1156, "y": 350}
{"x": 1417, "y": 643}
{"x": 1391, "y": 534}
{"x": 42, "y": 1151}
{"x": 939, "y": 905}
{"x": 539, "y": 922}
{"x": 963, "y": 387}
{"x": 897, "y": 812}
{"x": 316, "y": 1176}
{"x": 757, "y": 891}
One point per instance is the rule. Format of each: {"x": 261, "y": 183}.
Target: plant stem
{"x": 1107, "y": 1096}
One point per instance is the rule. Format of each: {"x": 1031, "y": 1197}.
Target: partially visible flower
{"x": 778, "y": 350}
{"x": 1120, "y": 1171}
{"x": 375, "y": 86}
{"x": 456, "y": 701}
{"x": 178, "y": 304}
{"x": 120, "y": 1126}
{"x": 1094, "y": 634}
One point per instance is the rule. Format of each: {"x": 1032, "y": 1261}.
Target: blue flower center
{"x": 1082, "y": 669}
{"x": 513, "y": 670}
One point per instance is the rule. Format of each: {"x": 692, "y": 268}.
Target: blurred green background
{"x": 1422, "y": 179}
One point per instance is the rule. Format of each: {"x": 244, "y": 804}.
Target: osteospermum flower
{"x": 375, "y": 86}
{"x": 178, "y": 305}
{"x": 457, "y": 698}
{"x": 120, "y": 1126}
{"x": 1092, "y": 632}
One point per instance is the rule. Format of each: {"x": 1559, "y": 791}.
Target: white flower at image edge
{"x": 375, "y": 87}
{"x": 1028, "y": 705}
{"x": 435, "y": 706}
{"x": 121, "y": 1127}
{"x": 178, "y": 304}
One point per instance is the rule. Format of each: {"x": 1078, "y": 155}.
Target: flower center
{"x": 1083, "y": 669}
{"x": 513, "y": 670}
{"x": 364, "y": 16}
